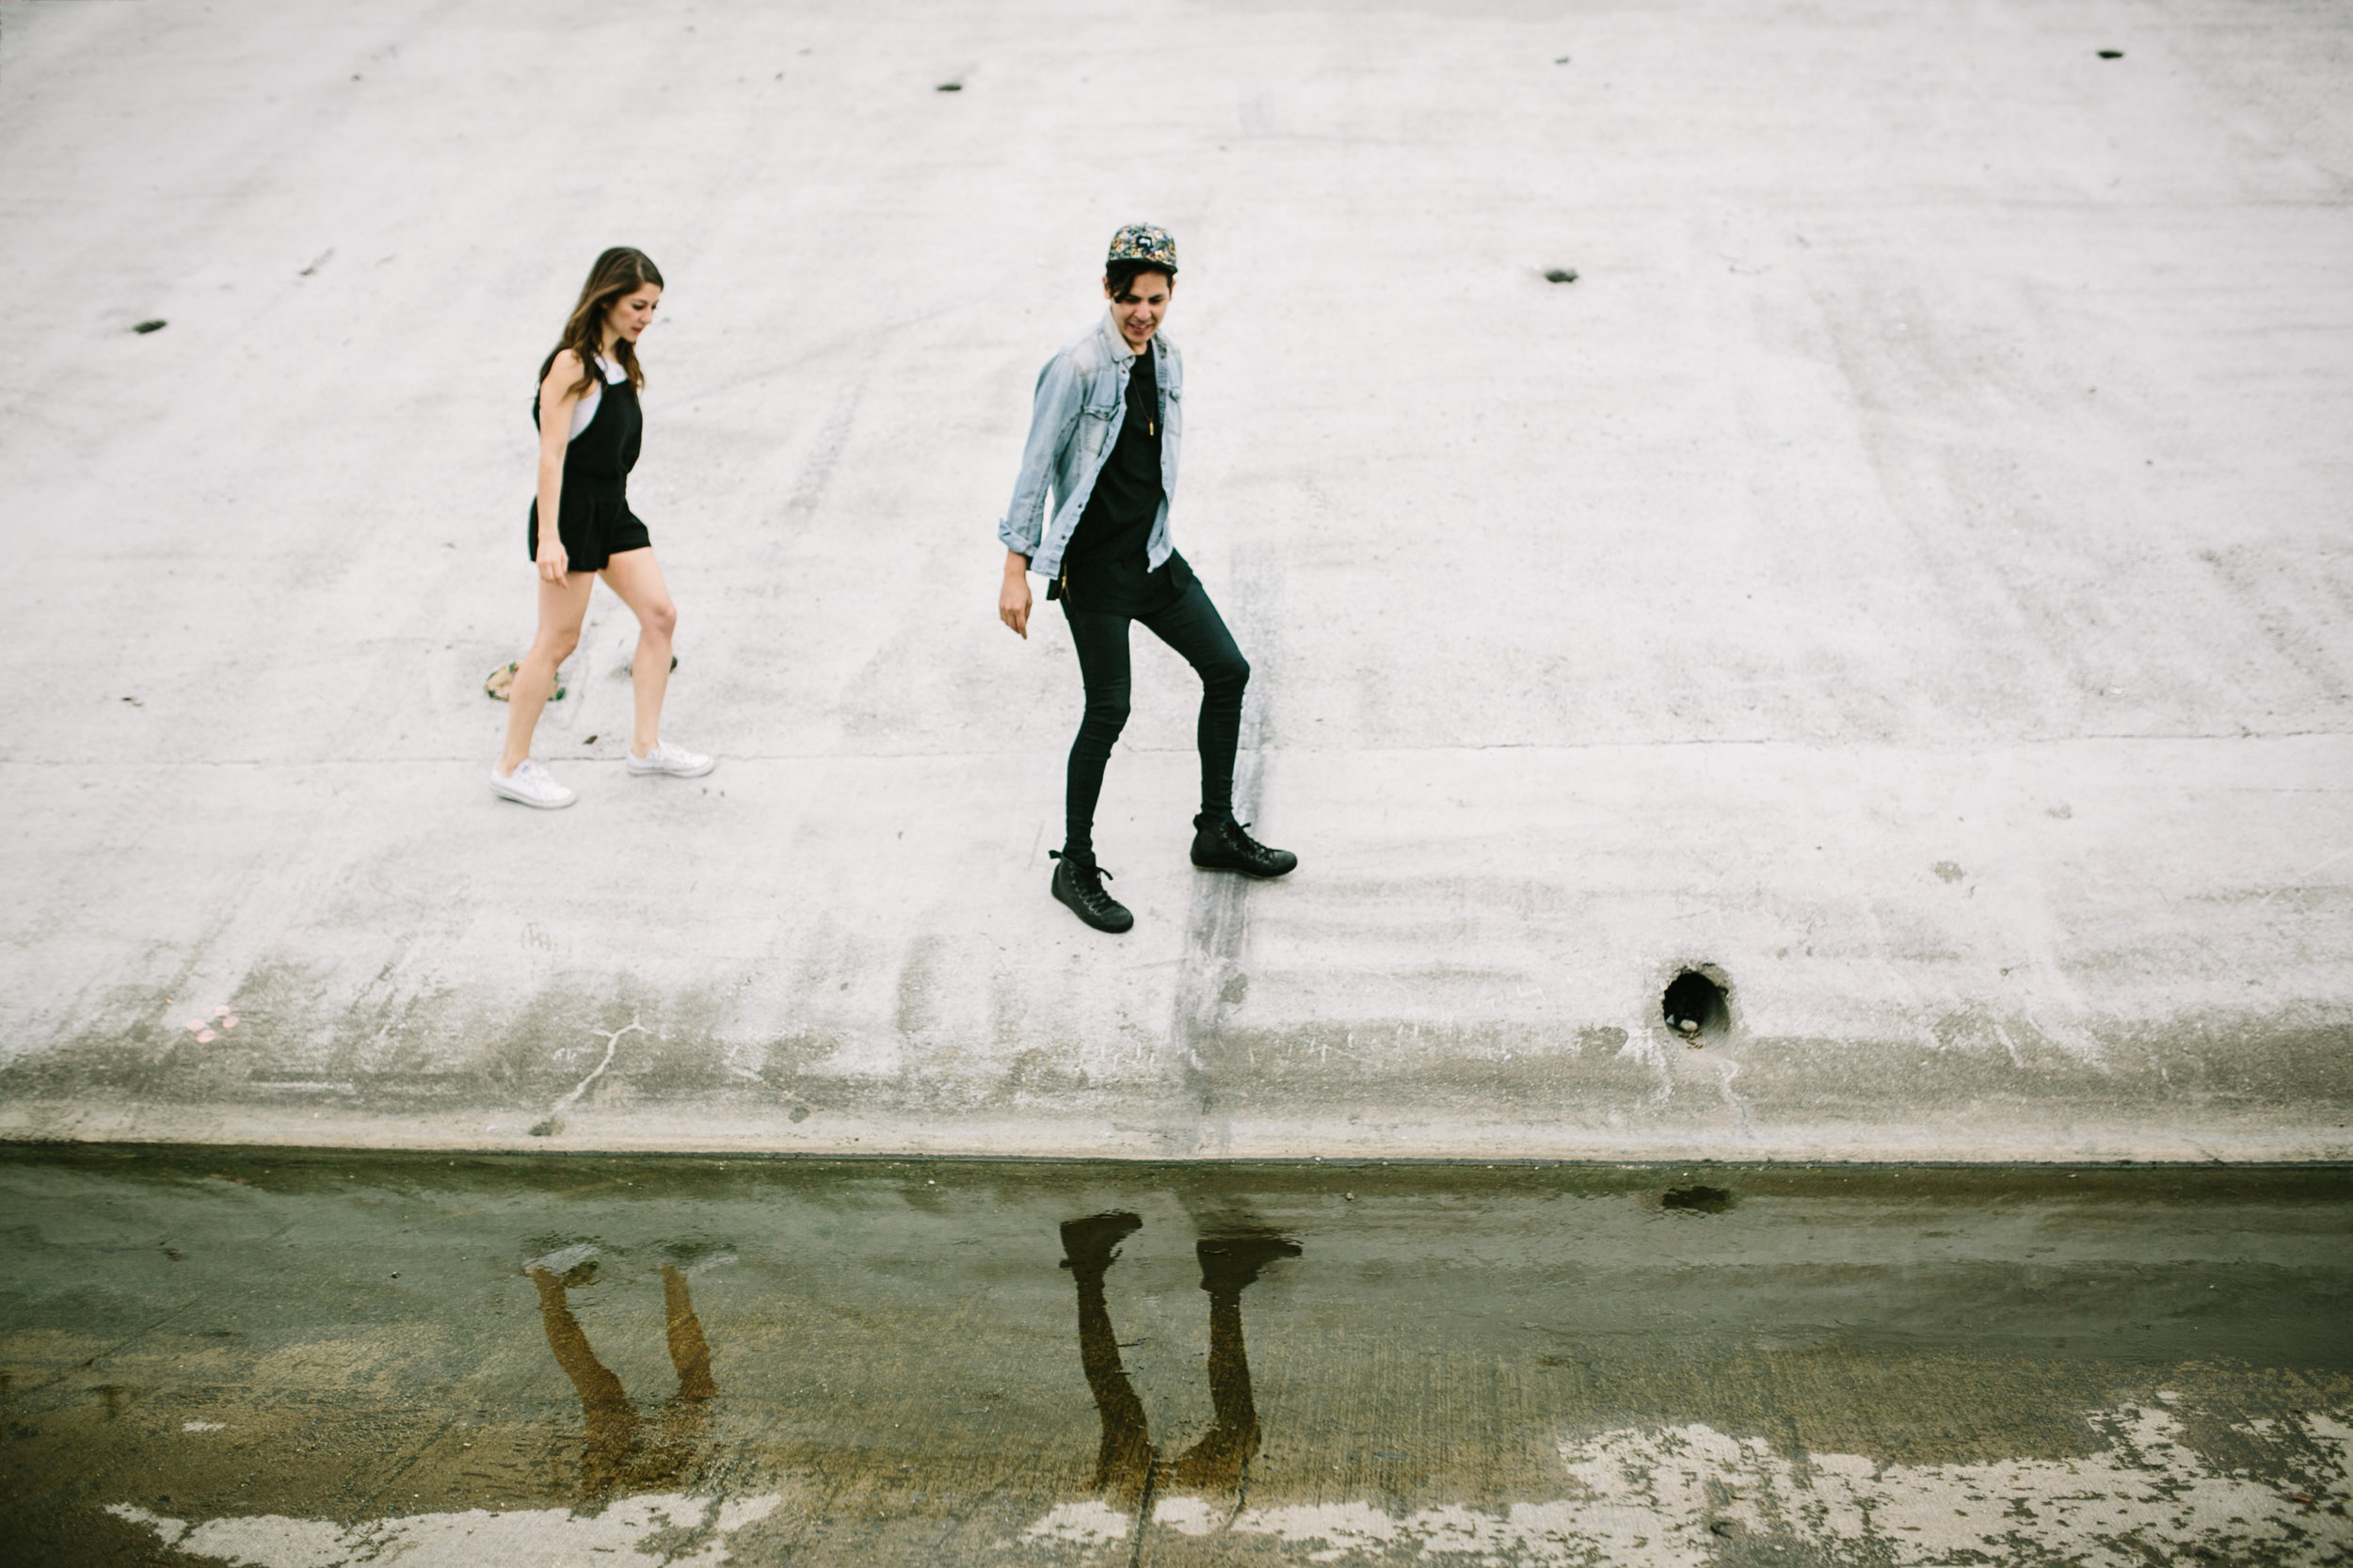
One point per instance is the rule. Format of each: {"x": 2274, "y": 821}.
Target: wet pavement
{"x": 313, "y": 1358}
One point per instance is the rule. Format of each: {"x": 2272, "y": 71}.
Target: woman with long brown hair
{"x": 589, "y": 430}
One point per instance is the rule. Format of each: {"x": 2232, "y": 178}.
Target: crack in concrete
{"x": 110, "y": 1352}
{"x": 1730, "y": 1070}
{"x": 553, "y": 1123}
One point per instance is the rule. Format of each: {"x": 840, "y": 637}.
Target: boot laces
{"x": 1087, "y": 878}
{"x": 1241, "y": 841}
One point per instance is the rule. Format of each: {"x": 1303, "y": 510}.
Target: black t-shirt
{"x": 1104, "y": 564}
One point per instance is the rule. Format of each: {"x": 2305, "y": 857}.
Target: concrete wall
{"x": 1907, "y": 571}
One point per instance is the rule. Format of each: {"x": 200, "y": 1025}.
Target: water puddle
{"x": 310, "y": 1359}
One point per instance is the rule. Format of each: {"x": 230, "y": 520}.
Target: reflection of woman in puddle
{"x": 622, "y": 1455}
{"x": 1127, "y": 1465}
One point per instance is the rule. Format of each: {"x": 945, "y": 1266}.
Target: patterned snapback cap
{"x": 1143, "y": 242}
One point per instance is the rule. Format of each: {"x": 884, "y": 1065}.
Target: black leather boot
{"x": 1219, "y": 844}
{"x": 1080, "y": 885}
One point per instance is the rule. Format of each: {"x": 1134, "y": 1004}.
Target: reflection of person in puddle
{"x": 622, "y": 1455}
{"x": 1127, "y": 1462}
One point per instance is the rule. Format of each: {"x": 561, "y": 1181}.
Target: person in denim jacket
{"x": 1104, "y": 430}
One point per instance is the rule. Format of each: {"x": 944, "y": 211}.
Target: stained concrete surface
{"x": 1906, "y": 570}
{"x": 298, "y": 1359}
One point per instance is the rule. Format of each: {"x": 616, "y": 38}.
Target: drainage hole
{"x": 1695, "y": 1007}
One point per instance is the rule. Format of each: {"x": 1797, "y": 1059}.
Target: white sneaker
{"x": 676, "y": 761}
{"x": 563, "y": 1261}
{"x": 532, "y": 785}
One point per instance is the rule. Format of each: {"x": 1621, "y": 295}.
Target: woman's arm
{"x": 1013, "y": 598}
{"x": 556, "y": 401}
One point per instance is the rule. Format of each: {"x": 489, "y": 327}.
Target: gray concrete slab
{"x": 1907, "y": 571}
{"x": 305, "y": 1359}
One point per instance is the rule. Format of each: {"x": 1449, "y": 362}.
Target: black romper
{"x": 594, "y": 521}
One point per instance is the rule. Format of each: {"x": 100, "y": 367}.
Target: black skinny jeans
{"x": 1193, "y": 626}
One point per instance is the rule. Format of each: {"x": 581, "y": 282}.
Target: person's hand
{"x": 552, "y": 562}
{"x": 1013, "y": 602}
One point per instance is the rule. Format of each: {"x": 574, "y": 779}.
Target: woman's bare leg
{"x": 612, "y": 1422}
{"x": 690, "y": 1353}
{"x": 561, "y": 609}
{"x": 636, "y": 576}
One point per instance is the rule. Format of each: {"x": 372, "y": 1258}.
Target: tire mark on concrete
{"x": 1201, "y": 1062}
{"x": 824, "y": 452}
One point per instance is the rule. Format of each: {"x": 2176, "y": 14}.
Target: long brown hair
{"x": 620, "y": 271}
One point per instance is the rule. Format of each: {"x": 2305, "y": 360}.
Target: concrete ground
{"x": 1905, "y": 574}
{"x": 296, "y": 1360}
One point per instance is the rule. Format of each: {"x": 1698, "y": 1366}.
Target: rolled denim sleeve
{"x": 1052, "y": 412}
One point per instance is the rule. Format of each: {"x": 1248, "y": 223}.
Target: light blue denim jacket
{"x": 1082, "y": 402}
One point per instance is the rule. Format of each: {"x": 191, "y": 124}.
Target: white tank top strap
{"x": 585, "y": 410}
